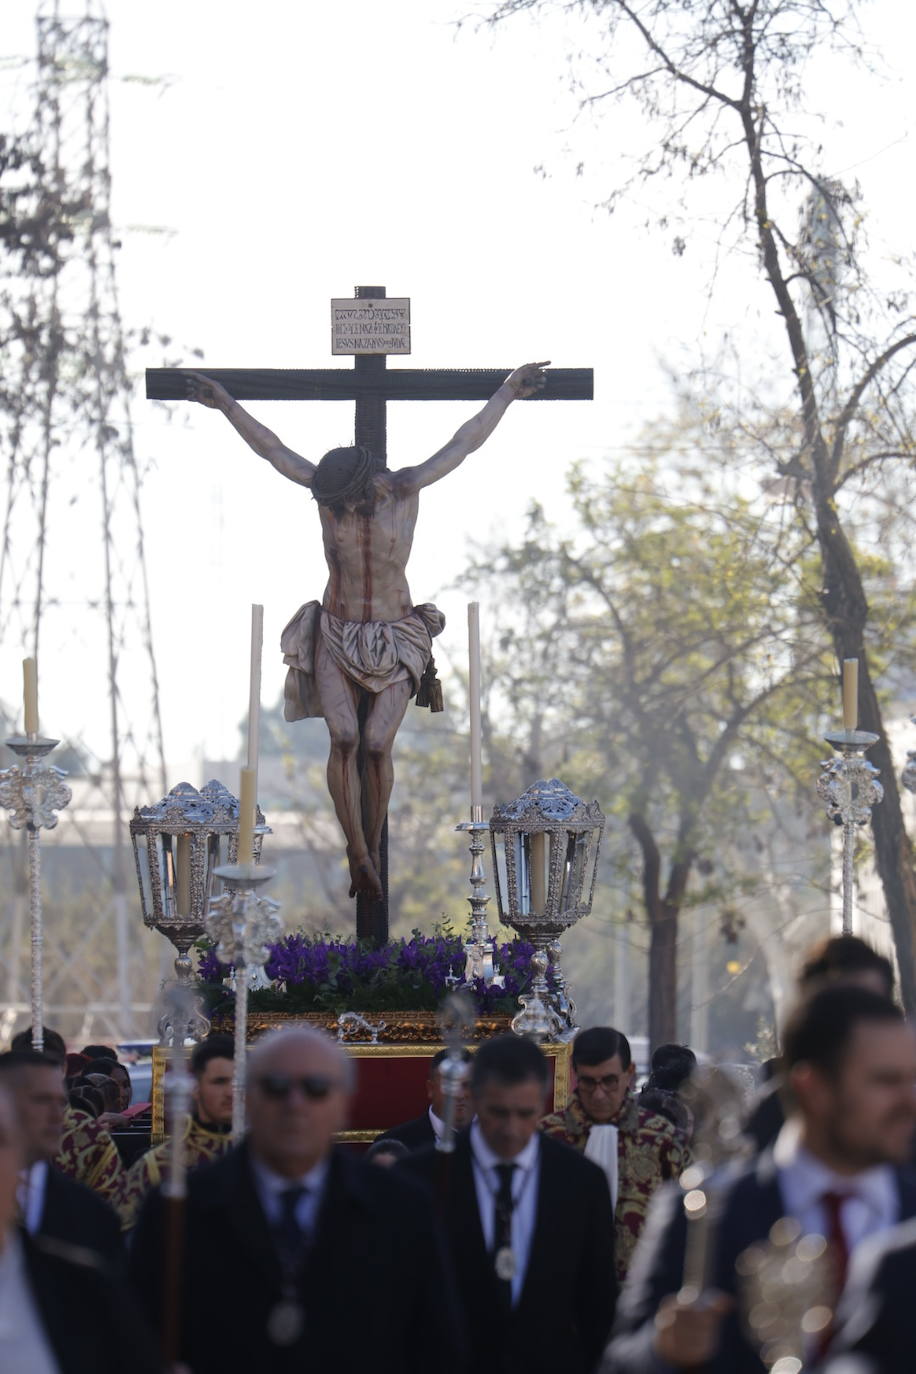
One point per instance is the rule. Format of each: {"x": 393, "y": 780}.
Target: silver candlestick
{"x": 33, "y": 794}
{"x": 785, "y": 1292}
{"x": 716, "y": 1102}
{"x": 849, "y": 787}
{"x": 241, "y": 925}
{"x": 479, "y": 948}
{"x": 456, "y": 1022}
{"x": 563, "y": 1003}
{"x": 537, "y": 1018}
{"x": 178, "y": 1087}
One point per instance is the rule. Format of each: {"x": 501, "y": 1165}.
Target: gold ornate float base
{"x": 391, "y": 1075}
{"x": 393, "y": 1027}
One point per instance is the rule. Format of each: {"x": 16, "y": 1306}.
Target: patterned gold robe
{"x": 648, "y": 1154}
{"x": 89, "y": 1155}
{"x": 202, "y": 1146}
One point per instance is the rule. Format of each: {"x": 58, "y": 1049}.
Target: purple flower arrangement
{"x": 330, "y": 974}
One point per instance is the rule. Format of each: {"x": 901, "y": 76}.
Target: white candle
{"x": 30, "y": 695}
{"x": 539, "y": 853}
{"x": 254, "y": 685}
{"x": 247, "y": 786}
{"x": 850, "y": 693}
{"x": 183, "y": 875}
{"x": 474, "y": 707}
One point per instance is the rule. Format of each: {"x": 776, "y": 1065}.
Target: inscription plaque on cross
{"x": 371, "y": 384}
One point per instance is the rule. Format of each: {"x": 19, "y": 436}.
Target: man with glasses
{"x": 638, "y": 1150}
{"x": 288, "y": 1240}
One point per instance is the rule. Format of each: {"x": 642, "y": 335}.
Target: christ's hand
{"x": 528, "y": 379}
{"x": 207, "y": 392}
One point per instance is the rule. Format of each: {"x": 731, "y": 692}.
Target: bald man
{"x": 298, "y": 1255}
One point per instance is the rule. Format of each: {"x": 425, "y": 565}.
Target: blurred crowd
{"x": 675, "y": 1224}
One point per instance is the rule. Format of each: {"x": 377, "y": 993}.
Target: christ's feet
{"x": 364, "y": 878}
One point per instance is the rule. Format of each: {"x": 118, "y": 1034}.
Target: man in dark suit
{"x": 850, "y": 1063}
{"x": 530, "y": 1224}
{"x": 836, "y": 959}
{"x": 296, "y": 1255}
{"x": 877, "y": 1317}
{"x": 50, "y": 1203}
{"x": 62, "y": 1310}
{"x": 425, "y": 1130}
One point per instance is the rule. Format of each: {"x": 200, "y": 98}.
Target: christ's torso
{"x": 367, "y": 549}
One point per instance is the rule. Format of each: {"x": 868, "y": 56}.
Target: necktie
{"x": 838, "y": 1252}
{"x": 290, "y": 1239}
{"x": 502, "y": 1229}
{"x": 836, "y": 1238}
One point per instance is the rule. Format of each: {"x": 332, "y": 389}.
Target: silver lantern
{"x": 178, "y": 844}
{"x": 545, "y": 857}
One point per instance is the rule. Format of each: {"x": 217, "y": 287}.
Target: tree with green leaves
{"x": 718, "y": 91}
{"x": 672, "y": 633}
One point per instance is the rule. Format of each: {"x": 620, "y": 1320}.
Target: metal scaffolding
{"x": 73, "y": 578}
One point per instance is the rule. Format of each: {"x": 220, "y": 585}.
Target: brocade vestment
{"x": 89, "y": 1156}
{"x": 201, "y": 1145}
{"x": 648, "y": 1154}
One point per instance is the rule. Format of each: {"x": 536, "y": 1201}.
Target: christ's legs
{"x": 339, "y": 701}
{"x": 382, "y": 723}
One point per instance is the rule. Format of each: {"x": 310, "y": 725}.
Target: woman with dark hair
{"x": 86, "y": 1097}
{"x": 672, "y": 1065}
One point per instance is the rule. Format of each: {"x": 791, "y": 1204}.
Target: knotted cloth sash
{"x": 374, "y": 653}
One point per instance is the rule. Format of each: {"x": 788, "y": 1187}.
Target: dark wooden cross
{"x": 371, "y": 384}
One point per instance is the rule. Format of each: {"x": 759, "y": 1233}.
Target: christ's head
{"x": 344, "y": 478}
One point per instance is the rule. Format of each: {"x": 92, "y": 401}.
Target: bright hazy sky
{"x": 275, "y": 155}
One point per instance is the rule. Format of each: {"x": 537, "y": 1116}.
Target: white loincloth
{"x": 374, "y": 653}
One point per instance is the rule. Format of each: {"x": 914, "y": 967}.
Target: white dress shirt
{"x": 525, "y": 1181}
{"x": 269, "y": 1187}
{"x": 873, "y": 1196}
{"x": 31, "y": 1195}
{"x": 601, "y": 1148}
{"x": 438, "y": 1124}
{"x": 24, "y": 1347}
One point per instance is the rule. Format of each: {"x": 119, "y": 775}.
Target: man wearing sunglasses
{"x": 637, "y": 1149}
{"x": 298, "y": 1255}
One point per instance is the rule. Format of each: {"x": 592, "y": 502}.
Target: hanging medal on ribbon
{"x": 505, "y": 1263}
{"x": 286, "y": 1322}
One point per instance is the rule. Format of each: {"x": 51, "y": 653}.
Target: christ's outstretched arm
{"x": 257, "y": 436}
{"x": 524, "y": 381}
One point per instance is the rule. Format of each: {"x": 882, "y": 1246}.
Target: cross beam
{"x": 346, "y": 384}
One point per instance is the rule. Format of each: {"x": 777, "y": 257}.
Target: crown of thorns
{"x": 327, "y": 485}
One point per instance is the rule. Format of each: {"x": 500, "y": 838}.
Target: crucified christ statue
{"x": 358, "y": 656}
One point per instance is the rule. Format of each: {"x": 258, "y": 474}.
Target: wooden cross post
{"x": 371, "y": 384}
